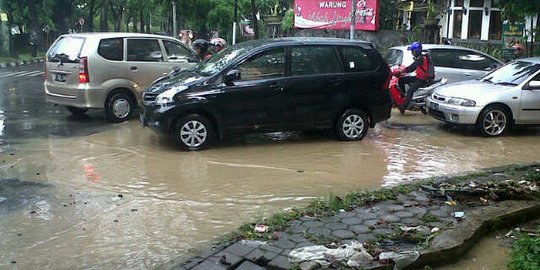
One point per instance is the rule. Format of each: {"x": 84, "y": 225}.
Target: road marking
{"x": 11, "y": 74}
{"x": 40, "y": 73}
{"x": 27, "y": 73}
{"x": 31, "y": 73}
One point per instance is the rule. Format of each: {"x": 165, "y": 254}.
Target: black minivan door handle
{"x": 334, "y": 81}
{"x": 276, "y": 86}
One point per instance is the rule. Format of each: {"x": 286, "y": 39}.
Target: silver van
{"x": 110, "y": 70}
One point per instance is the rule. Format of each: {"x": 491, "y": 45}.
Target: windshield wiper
{"x": 506, "y": 83}
{"x": 488, "y": 80}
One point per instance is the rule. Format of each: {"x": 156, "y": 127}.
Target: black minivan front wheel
{"x": 193, "y": 132}
{"x": 352, "y": 125}
{"x": 119, "y": 107}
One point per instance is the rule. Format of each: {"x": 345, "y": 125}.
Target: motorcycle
{"x": 418, "y": 100}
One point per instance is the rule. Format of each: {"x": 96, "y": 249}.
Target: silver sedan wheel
{"x": 353, "y": 126}
{"x": 193, "y": 133}
{"x": 494, "y": 122}
{"x": 121, "y": 108}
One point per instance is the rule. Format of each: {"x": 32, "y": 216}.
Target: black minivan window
{"x": 312, "y": 60}
{"x": 266, "y": 65}
{"x": 112, "y": 49}
{"x": 394, "y": 57}
{"x": 66, "y": 49}
{"x": 144, "y": 50}
{"x": 356, "y": 60}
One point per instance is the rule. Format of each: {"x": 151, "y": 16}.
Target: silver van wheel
{"x": 193, "y": 134}
{"x": 121, "y": 108}
{"x": 493, "y": 121}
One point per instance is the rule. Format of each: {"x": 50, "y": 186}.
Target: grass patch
{"x": 427, "y": 218}
{"x": 525, "y": 253}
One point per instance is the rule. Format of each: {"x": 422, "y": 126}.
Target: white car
{"x": 494, "y": 103}
{"x": 454, "y": 63}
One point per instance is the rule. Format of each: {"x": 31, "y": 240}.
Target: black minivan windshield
{"x": 221, "y": 60}
{"x": 66, "y": 50}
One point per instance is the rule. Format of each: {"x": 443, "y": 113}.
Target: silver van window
{"x": 66, "y": 49}
{"x": 175, "y": 50}
{"x": 144, "y": 50}
{"x": 112, "y": 49}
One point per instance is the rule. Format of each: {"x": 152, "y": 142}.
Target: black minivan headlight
{"x": 167, "y": 97}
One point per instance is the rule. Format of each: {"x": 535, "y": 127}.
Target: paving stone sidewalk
{"x": 424, "y": 220}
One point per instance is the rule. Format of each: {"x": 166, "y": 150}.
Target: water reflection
{"x": 125, "y": 198}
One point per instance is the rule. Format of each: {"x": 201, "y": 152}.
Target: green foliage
{"x": 288, "y": 20}
{"x": 388, "y": 14}
{"x": 525, "y": 253}
{"x": 517, "y": 10}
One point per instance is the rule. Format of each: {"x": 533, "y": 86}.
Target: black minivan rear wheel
{"x": 352, "y": 125}
{"x": 193, "y": 132}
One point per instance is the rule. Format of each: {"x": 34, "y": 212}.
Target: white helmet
{"x": 218, "y": 42}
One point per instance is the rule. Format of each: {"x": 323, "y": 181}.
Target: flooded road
{"x": 83, "y": 193}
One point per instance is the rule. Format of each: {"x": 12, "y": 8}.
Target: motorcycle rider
{"x": 201, "y": 48}
{"x": 425, "y": 72}
{"x": 219, "y": 44}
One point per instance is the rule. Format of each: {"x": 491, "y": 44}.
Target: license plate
{"x": 60, "y": 77}
{"x": 434, "y": 105}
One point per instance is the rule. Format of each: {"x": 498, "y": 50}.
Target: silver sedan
{"x": 493, "y": 103}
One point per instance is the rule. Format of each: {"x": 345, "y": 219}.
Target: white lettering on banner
{"x": 333, "y": 4}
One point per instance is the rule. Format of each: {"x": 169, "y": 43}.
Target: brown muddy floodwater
{"x": 122, "y": 197}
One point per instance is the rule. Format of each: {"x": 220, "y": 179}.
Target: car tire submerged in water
{"x": 193, "y": 132}
{"x": 76, "y": 111}
{"x": 493, "y": 121}
{"x": 119, "y": 107}
{"x": 352, "y": 125}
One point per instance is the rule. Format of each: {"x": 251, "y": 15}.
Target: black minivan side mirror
{"x": 193, "y": 59}
{"x": 231, "y": 76}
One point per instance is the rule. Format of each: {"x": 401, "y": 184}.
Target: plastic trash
{"x": 353, "y": 254}
{"x": 401, "y": 259}
{"x": 459, "y": 214}
{"x": 260, "y": 228}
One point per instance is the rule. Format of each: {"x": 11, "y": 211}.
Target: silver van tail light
{"x": 83, "y": 70}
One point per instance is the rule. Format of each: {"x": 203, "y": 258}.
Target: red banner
{"x": 318, "y": 14}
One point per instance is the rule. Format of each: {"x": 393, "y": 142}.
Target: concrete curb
{"x": 21, "y": 63}
{"x": 455, "y": 242}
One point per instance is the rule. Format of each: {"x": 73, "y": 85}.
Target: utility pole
{"x": 353, "y": 18}
{"x": 174, "y": 31}
{"x": 234, "y": 23}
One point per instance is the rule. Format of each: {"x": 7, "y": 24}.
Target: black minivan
{"x": 273, "y": 85}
